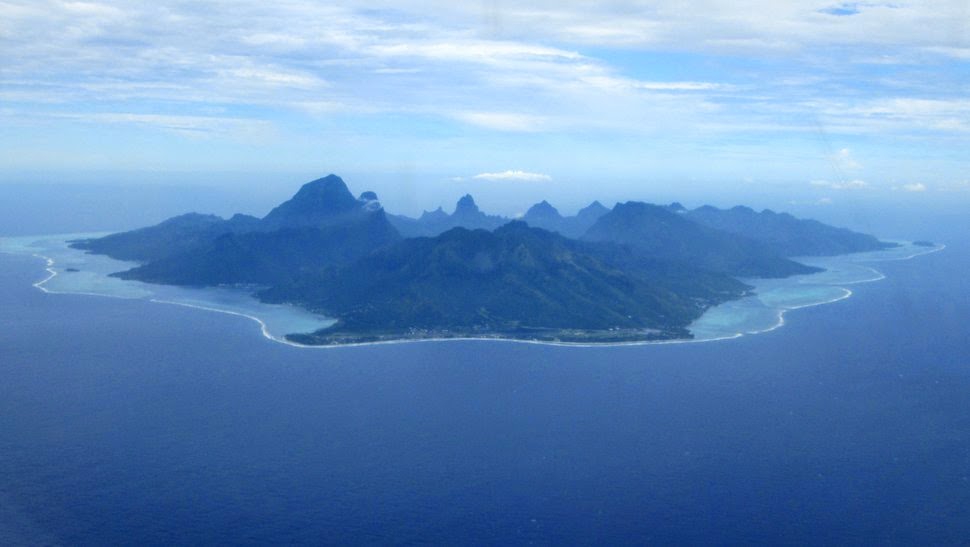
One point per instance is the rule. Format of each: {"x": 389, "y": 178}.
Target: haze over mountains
{"x": 785, "y": 234}
{"x": 637, "y": 271}
{"x": 466, "y": 215}
{"x": 657, "y": 232}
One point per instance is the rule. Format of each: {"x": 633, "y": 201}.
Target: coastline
{"x": 940, "y": 247}
{"x": 262, "y": 324}
{"x": 783, "y": 311}
{"x": 49, "y": 267}
{"x": 265, "y": 332}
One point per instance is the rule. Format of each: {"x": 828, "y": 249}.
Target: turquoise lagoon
{"x": 91, "y": 278}
{"x": 77, "y": 272}
{"x": 764, "y": 310}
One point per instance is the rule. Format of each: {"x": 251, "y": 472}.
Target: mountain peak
{"x": 593, "y": 210}
{"x": 190, "y": 219}
{"x": 329, "y": 192}
{"x": 438, "y": 215}
{"x": 329, "y": 185}
{"x": 316, "y": 203}
{"x": 466, "y": 205}
{"x": 640, "y": 207}
{"x": 542, "y": 209}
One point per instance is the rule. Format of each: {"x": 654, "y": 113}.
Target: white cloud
{"x": 275, "y": 39}
{"x": 548, "y": 67}
{"x": 467, "y": 64}
{"x": 956, "y": 52}
{"x": 854, "y": 184}
{"x": 275, "y": 77}
{"x": 471, "y": 50}
{"x": 612, "y": 82}
{"x": 922, "y": 113}
{"x": 914, "y": 187}
{"x": 333, "y": 107}
{"x": 681, "y": 86}
{"x": 514, "y": 175}
{"x": 844, "y": 160}
{"x": 750, "y": 25}
{"x": 503, "y": 121}
{"x": 190, "y": 126}
{"x": 394, "y": 70}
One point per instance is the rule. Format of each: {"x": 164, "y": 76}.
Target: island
{"x": 635, "y": 272}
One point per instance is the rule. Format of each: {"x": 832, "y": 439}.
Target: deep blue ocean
{"x": 134, "y": 422}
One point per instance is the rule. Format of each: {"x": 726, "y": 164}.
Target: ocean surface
{"x": 123, "y": 420}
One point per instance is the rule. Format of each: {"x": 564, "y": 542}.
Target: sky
{"x": 824, "y": 100}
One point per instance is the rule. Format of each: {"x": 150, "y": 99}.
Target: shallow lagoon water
{"x": 92, "y": 278}
{"x": 765, "y": 309}
{"x": 762, "y": 311}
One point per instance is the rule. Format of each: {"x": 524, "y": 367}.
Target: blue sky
{"x": 557, "y": 98}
